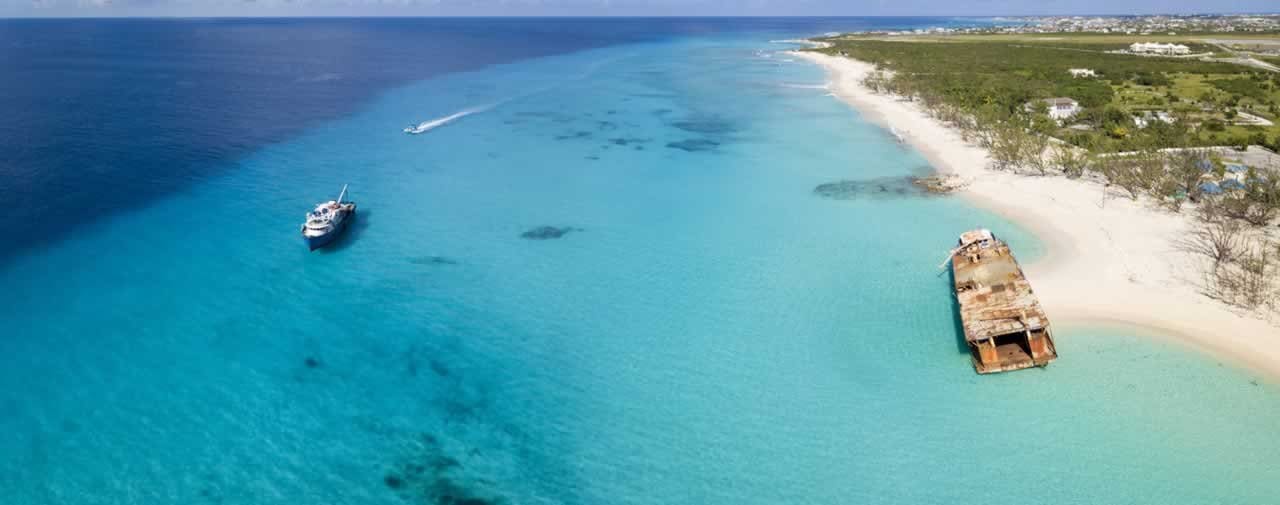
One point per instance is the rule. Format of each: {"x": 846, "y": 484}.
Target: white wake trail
{"x": 432, "y": 124}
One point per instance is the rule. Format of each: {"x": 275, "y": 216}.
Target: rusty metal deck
{"x": 997, "y": 304}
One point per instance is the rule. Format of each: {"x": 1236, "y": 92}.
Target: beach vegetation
{"x": 994, "y": 77}
{"x": 1245, "y": 269}
{"x": 1148, "y": 127}
{"x": 1257, "y": 204}
{"x": 1152, "y": 128}
{"x": 1242, "y": 264}
{"x": 1186, "y": 171}
{"x": 1070, "y": 160}
{"x": 1219, "y": 240}
{"x": 1119, "y": 173}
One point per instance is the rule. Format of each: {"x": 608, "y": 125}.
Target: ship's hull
{"x": 1004, "y": 325}
{"x": 318, "y": 241}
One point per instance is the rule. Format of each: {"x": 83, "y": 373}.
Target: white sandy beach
{"x": 1113, "y": 262}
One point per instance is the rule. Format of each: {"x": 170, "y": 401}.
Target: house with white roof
{"x": 1158, "y": 48}
{"x": 1082, "y": 72}
{"x": 1145, "y": 119}
{"x": 1060, "y": 108}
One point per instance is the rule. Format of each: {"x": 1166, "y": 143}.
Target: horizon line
{"x": 636, "y": 16}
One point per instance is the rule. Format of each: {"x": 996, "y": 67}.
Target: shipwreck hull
{"x": 1004, "y": 325}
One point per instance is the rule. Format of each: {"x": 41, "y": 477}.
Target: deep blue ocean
{"x": 709, "y": 329}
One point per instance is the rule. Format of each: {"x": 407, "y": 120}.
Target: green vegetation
{"x": 989, "y": 88}
{"x": 989, "y": 79}
{"x": 1255, "y": 87}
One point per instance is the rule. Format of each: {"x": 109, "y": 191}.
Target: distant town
{"x": 1143, "y": 25}
{"x": 1129, "y": 25}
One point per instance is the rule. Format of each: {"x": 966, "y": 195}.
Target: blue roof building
{"x": 1231, "y": 184}
{"x": 1210, "y": 188}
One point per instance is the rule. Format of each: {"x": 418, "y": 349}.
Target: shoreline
{"x": 1108, "y": 259}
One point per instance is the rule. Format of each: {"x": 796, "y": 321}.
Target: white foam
{"x": 429, "y": 125}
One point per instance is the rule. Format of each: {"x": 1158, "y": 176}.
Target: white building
{"x": 1082, "y": 72}
{"x": 1060, "y": 109}
{"x": 1158, "y": 48}
{"x": 1144, "y": 120}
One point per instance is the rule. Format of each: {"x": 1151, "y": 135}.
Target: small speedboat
{"x": 418, "y": 128}
{"x": 327, "y": 221}
{"x": 427, "y": 126}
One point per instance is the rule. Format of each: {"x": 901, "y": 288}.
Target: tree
{"x": 1250, "y": 280}
{"x": 1220, "y": 241}
{"x": 1008, "y": 145}
{"x": 1119, "y": 172}
{"x": 1259, "y": 203}
{"x": 1149, "y": 170}
{"x": 1070, "y": 160}
{"x": 1253, "y": 282}
{"x": 876, "y": 81}
{"x": 1114, "y": 116}
{"x": 1187, "y": 170}
{"x": 1034, "y": 152}
{"x": 1135, "y": 174}
{"x": 1170, "y": 193}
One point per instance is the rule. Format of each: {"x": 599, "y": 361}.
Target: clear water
{"x": 710, "y": 331}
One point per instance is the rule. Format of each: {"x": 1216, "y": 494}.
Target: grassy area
{"x": 1083, "y": 37}
{"x": 1083, "y": 41}
{"x": 994, "y": 76}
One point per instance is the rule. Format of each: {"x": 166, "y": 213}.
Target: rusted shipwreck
{"x": 1004, "y": 325}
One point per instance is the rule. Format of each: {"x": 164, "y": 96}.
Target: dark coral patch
{"x": 439, "y": 368}
{"x": 875, "y": 188}
{"x": 574, "y": 135}
{"x": 694, "y": 145}
{"x": 706, "y": 126}
{"x": 430, "y": 476}
{"x": 432, "y": 260}
{"x": 548, "y": 232}
{"x": 622, "y": 141}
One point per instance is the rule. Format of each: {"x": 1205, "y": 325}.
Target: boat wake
{"x": 432, "y": 124}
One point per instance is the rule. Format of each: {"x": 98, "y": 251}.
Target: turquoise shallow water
{"x": 713, "y": 333}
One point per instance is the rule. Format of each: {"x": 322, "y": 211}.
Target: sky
{"x": 193, "y": 8}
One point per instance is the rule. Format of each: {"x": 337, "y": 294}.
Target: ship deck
{"x": 998, "y": 310}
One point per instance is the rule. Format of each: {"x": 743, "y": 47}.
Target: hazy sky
{"x": 10, "y": 8}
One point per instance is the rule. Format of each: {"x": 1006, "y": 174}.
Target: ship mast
{"x": 342, "y": 194}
